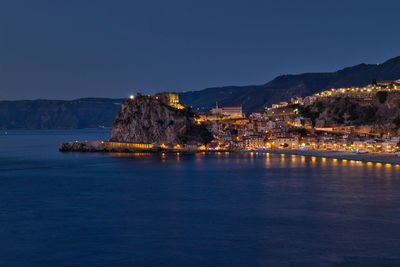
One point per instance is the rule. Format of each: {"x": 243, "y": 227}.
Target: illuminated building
{"x": 230, "y": 111}
{"x": 170, "y": 99}
{"x": 364, "y": 95}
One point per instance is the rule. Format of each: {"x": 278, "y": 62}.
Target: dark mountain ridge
{"x": 100, "y": 112}
{"x": 58, "y": 114}
{"x": 256, "y": 97}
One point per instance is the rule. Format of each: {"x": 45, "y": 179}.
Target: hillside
{"x": 256, "y": 97}
{"x": 382, "y": 114}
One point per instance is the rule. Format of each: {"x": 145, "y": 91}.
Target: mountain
{"x": 98, "y": 112}
{"x": 282, "y": 88}
{"x": 58, "y": 114}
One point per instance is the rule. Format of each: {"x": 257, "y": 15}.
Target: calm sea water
{"x": 222, "y": 210}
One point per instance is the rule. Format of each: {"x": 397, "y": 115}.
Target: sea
{"x": 224, "y": 209}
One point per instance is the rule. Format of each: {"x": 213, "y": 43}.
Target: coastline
{"x": 97, "y": 146}
{"x": 101, "y": 147}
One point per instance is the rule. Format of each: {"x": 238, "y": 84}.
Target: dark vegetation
{"x": 345, "y": 111}
{"x": 302, "y": 131}
{"x": 382, "y": 96}
{"x": 308, "y": 112}
{"x": 396, "y": 122}
{"x": 196, "y": 132}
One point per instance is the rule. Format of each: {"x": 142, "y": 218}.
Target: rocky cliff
{"x": 147, "y": 120}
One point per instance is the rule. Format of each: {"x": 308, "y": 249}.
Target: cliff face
{"x": 147, "y": 120}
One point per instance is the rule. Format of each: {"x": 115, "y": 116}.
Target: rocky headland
{"x": 145, "y": 119}
{"x": 150, "y": 122}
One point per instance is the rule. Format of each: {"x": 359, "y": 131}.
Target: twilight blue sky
{"x": 61, "y": 49}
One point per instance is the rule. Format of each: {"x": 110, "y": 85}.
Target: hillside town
{"x": 290, "y": 125}
{"x": 283, "y": 126}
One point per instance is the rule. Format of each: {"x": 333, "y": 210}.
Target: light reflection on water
{"x": 271, "y": 160}
{"x": 324, "y": 165}
{"x": 225, "y": 209}
{"x": 129, "y": 154}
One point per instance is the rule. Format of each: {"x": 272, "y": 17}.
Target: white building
{"x": 231, "y": 111}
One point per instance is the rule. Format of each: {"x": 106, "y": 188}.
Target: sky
{"x": 59, "y": 49}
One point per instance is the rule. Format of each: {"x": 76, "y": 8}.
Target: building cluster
{"x": 282, "y": 127}
{"x": 221, "y": 114}
{"x": 363, "y": 95}
{"x": 232, "y": 112}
